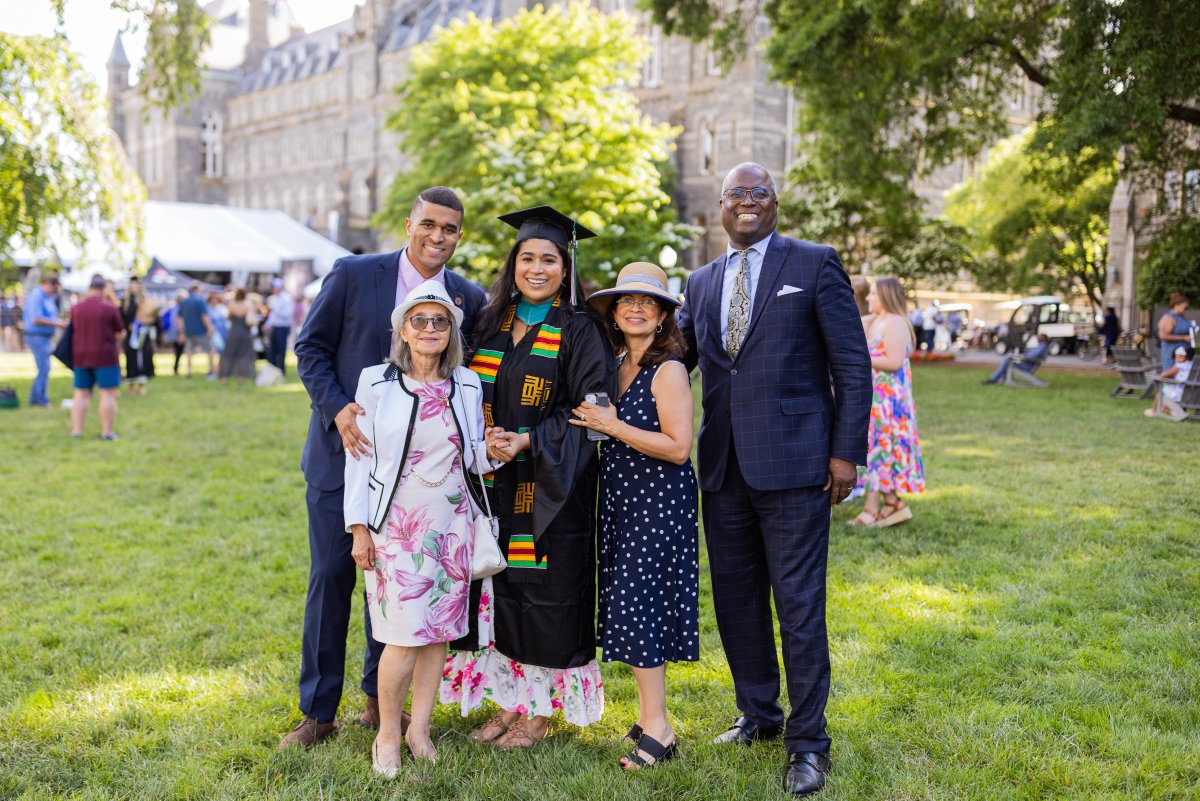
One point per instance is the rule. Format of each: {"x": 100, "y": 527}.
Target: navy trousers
{"x": 331, "y": 581}
{"x": 764, "y": 543}
{"x": 277, "y": 348}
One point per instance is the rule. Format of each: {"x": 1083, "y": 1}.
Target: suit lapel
{"x": 767, "y": 276}
{"x": 712, "y": 308}
{"x": 454, "y": 288}
{"x": 387, "y": 276}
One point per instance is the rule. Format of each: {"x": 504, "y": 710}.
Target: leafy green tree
{"x": 1037, "y": 222}
{"x": 891, "y": 90}
{"x": 177, "y": 31}
{"x": 871, "y": 236}
{"x": 535, "y": 110}
{"x": 59, "y": 164}
{"x": 1173, "y": 265}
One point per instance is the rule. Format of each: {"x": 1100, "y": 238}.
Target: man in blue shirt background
{"x": 197, "y": 328}
{"x": 1027, "y": 362}
{"x": 41, "y": 323}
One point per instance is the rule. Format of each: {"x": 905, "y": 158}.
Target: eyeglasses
{"x": 421, "y": 322}
{"x": 758, "y": 194}
{"x": 640, "y": 301}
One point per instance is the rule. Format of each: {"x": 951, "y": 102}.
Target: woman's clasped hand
{"x": 504, "y": 445}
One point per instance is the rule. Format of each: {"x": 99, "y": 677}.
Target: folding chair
{"x": 1020, "y": 373}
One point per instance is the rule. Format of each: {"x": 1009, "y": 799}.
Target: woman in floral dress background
{"x": 894, "y": 463}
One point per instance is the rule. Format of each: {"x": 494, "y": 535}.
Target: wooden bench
{"x": 1135, "y": 371}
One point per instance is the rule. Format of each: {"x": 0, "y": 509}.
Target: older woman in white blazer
{"x": 407, "y": 506}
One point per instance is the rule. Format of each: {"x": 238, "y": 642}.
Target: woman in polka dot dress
{"x": 648, "y": 523}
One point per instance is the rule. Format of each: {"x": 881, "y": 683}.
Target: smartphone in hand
{"x": 599, "y": 399}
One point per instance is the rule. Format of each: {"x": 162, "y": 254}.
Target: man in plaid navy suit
{"x": 787, "y": 398}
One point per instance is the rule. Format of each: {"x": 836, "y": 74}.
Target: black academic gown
{"x": 544, "y": 604}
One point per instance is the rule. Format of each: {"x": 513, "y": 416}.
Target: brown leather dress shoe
{"x": 369, "y": 719}
{"x": 308, "y": 733}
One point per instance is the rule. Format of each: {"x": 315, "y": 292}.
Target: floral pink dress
{"x": 894, "y": 462}
{"x": 419, "y": 591}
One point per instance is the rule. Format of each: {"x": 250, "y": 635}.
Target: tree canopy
{"x": 59, "y": 164}
{"x": 177, "y": 32}
{"x": 536, "y": 110}
{"x": 1033, "y": 223}
{"x": 1173, "y": 265}
{"x": 892, "y": 91}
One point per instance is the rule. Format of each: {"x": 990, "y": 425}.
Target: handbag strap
{"x": 474, "y": 453}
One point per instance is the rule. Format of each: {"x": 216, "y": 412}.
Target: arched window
{"x": 360, "y": 198}
{"x": 708, "y": 146}
{"x": 652, "y": 66}
{"x": 1191, "y": 191}
{"x": 210, "y": 146}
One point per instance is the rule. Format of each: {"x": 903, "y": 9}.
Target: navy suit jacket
{"x": 800, "y": 389}
{"x": 348, "y": 329}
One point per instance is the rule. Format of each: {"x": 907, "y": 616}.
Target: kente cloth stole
{"x": 528, "y": 371}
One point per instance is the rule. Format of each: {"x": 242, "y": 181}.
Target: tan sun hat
{"x": 638, "y": 278}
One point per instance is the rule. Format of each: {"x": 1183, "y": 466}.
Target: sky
{"x": 91, "y": 26}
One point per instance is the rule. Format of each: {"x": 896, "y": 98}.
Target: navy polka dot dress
{"x": 649, "y": 607}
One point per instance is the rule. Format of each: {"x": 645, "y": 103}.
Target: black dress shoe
{"x": 745, "y": 731}
{"x": 805, "y": 773}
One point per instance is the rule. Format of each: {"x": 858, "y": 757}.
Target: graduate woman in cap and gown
{"x": 539, "y": 352}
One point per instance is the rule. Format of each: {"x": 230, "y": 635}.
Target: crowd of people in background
{"x": 228, "y": 331}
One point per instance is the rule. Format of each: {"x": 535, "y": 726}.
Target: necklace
{"x": 427, "y": 483}
{"x": 442, "y": 397}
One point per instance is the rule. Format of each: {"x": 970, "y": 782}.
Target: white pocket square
{"x": 787, "y": 290}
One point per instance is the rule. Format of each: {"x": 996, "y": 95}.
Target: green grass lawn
{"x": 1031, "y": 634}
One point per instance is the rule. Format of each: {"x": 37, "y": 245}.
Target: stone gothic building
{"x": 295, "y": 121}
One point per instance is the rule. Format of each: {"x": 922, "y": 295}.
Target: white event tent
{"x": 202, "y": 238}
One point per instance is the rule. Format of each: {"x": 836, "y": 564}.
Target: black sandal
{"x": 634, "y": 734}
{"x": 657, "y": 752}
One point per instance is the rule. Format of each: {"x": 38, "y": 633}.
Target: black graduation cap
{"x": 546, "y": 222}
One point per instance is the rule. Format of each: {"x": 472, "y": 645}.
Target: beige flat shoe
{"x": 386, "y": 771}
{"x": 429, "y": 755}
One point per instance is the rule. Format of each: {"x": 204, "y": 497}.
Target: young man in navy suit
{"x": 786, "y": 379}
{"x": 347, "y": 329}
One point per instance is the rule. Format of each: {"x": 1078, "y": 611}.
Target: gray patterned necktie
{"x": 739, "y": 306}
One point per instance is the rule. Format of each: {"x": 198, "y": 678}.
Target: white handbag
{"x": 486, "y": 559}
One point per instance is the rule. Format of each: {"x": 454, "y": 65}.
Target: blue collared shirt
{"x": 754, "y": 259}
{"x": 39, "y": 305}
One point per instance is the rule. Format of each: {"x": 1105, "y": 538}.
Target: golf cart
{"x": 1044, "y": 314}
